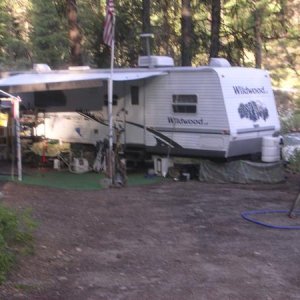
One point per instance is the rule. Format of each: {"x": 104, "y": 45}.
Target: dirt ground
{"x": 172, "y": 240}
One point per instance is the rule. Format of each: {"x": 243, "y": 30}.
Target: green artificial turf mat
{"x": 66, "y": 180}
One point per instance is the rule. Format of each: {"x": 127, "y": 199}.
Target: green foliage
{"x": 128, "y": 30}
{"x": 288, "y": 109}
{"x": 94, "y": 52}
{"x": 48, "y": 35}
{"x": 166, "y": 27}
{"x": 14, "y": 50}
{"x": 201, "y": 32}
{"x": 36, "y": 31}
{"x": 15, "y": 238}
{"x": 291, "y": 123}
{"x": 294, "y": 162}
{"x": 286, "y": 125}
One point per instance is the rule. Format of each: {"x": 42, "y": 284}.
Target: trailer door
{"x": 135, "y": 114}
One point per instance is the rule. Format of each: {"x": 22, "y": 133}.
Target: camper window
{"x": 185, "y": 103}
{"x": 49, "y": 98}
{"x": 134, "y": 90}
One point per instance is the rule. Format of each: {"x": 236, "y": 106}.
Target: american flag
{"x": 108, "y": 33}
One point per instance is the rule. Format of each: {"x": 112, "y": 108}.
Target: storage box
{"x": 161, "y": 165}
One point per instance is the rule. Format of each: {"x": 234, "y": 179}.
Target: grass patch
{"x": 87, "y": 181}
{"x": 15, "y": 238}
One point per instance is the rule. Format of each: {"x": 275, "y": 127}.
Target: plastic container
{"x": 270, "y": 149}
{"x": 80, "y": 165}
{"x": 56, "y": 164}
{"x": 161, "y": 165}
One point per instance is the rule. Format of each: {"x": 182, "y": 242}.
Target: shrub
{"x": 294, "y": 162}
{"x": 15, "y": 238}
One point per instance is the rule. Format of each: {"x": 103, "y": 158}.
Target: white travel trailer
{"x": 211, "y": 111}
{"x": 205, "y": 111}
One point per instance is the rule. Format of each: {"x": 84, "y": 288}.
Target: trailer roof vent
{"x": 219, "y": 62}
{"x": 41, "y": 67}
{"x": 155, "y": 61}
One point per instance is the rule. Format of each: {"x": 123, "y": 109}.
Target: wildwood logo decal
{"x": 182, "y": 121}
{"x": 253, "y": 111}
{"x": 244, "y": 90}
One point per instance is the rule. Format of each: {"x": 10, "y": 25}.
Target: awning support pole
{"x": 16, "y": 114}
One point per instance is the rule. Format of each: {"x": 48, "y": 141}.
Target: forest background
{"x": 254, "y": 33}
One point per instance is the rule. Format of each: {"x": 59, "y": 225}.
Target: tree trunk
{"x": 186, "y": 33}
{"x": 215, "y": 28}
{"x": 257, "y": 36}
{"x": 146, "y": 16}
{"x": 146, "y": 27}
{"x": 74, "y": 34}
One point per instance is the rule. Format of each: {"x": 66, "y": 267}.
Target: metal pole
{"x": 110, "y": 104}
{"x": 17, "y": 119}
{"x": 148, "y": 36}
{"x": 16, "y": 113}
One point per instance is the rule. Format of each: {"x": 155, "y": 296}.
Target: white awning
{"x": 127, "y": 76}
{"x": 60, "y": 80}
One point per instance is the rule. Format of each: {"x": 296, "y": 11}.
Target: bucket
{"x": 270, "y": 149}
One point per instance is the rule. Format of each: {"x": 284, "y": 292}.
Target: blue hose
{"x": 247, "y": 215}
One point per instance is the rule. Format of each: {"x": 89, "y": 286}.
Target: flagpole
{"x": 110, "y": 104}
{"x": 109, "y": 40}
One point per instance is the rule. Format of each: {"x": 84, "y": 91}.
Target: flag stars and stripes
{"x": 108, "y": 33}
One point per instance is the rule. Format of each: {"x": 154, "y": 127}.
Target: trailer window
{"x": 134, "y": 91}
{"x": 185, "y": 104}
{"x": 45, "y": 99}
